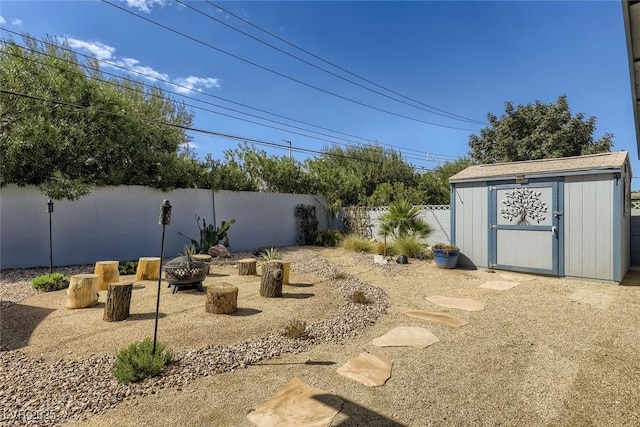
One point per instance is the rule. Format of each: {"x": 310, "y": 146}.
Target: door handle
{"x": 554, "y": 230}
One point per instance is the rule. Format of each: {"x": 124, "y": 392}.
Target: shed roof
{"x": 552, "y": 167}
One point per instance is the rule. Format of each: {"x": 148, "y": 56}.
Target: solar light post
{"x": 50, "y": 210}
{"x": 165, "y": 219}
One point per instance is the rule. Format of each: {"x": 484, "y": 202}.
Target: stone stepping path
{"x": 297, "y": 405}
{"x": 499, "y": 285}
{"x": 436, "y": 317}
{"x": 476, "y": 292}
{"x": 459, "y": 303}
{"x": 367, "y": 369}
{"x": 406, "y": 336}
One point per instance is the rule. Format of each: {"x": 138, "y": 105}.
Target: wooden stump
{"x": 246, "y": 267}
{"x": 118, "y": 301}
{"x": 271, "y": 282}
{"x": 204, "y": 258}
{"x": 82, "y": 291}
{"x": 286, "y": 267}
{"x": 108, "y": 272}
{"x": 221, "y": 299}
{"x": 148, "y": 268}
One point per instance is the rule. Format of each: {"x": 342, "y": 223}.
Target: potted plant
{"x": 445, "y": 256}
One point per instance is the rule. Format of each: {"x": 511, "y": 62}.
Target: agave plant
{"x": 270, "y": 254}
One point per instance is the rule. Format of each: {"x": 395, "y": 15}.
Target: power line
{"x": 191, "y": 105}
{"x": 270, "y": 70}
{"x": 447, "y": 115}
{"x": 341, "y": 68}
{"x": 199, "y": 130}
{"x": 394, "y": 147}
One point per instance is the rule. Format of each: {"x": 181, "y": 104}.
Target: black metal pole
{"x": 50, "y": 210}
{"x": 155, "y": 329}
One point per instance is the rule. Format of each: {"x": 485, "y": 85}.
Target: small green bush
{"x": 137, "y": 362}
{"x": 356, "y": 243}
{"x": 409, "y": 246}
{"x": 50, "y": 282}
{"x": 328, "y": 238}
{"x": 296, "y": 329}
{"x": 270, "y": 254}
{"x": 128, "y": 267}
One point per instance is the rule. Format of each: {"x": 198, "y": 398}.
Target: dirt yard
{"x": 547, "y": 352}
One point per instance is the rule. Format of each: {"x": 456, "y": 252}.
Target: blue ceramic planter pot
{"x": 445, "y": 259}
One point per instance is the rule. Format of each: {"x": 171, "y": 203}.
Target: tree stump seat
{"x": 82, "y": 291}
{"x": 271, "y": 280}
{"x": 148, "y": 268}
{"x": 247, "y": 267}
{"x": 108, "y": 272}
{"x": 222, "y": 299}
{"x": 118, "y": 301}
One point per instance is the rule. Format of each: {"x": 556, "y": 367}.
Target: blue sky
{"x": 465, "y": 58}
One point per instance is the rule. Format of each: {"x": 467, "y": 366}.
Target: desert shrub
{"x": 137, "y": 362}
{"x": 50, "y": 282}
{"x": 356, "y": 243}
{"x": 409, "y": 246}
{"x": 445, "y": 247}
{"x": 358, "y": 297}
{"x": 296, "y": 329}
{"x": 328, "y": 238}
{"x": 379, "y": 249}
{"x": 128, "y": 267}
{"x": 340, "y": 275}
{"x": 270, "y": 254}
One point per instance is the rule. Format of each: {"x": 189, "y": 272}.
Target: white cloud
{"x": 2, "y": 21}
{"x": 99, "y": 50}
{"x": 144, "y": 5}
{"x": 16, "y": 22}
{"x": 191, "y": 83}
{"x": 143, "y": 71}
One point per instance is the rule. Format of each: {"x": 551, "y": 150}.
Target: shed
{"x": 563, "y": 217}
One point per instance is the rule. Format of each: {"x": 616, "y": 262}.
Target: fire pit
{"x": 185, "y": 271}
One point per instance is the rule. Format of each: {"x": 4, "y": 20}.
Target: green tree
{"x": 537, "y": 131}
{"x": 66, "y": 128}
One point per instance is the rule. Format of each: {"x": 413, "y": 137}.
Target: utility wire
{"x": 148, "y": 76}
{"x": 113, "y": 83}
{"x": 430, "y": 110}
{"x": 200, "y": 130}
{"x": 278, "y": 73}
{"x": 341, "y": 68}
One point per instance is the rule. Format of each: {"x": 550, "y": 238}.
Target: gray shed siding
{"x": 589, "y": 226}
{"x": 625, "y": 226}
{"x": 471, "y": 221}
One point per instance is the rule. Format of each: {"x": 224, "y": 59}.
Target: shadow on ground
{"x": 296, "y": 295}
{"x": 245, "y": 312}
{"x": 18, "y": 322}
{"x": 357, "y": 415}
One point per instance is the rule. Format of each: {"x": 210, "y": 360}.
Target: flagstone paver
{"x": 367, "y": 369}
{"x": 499, "y": 285}
{"x": 436, "y": 317}
{"x": 297, "y": 405}
{"x": 406, "y": 336}
{"x": 459, "y": 303}
{"x": 476, "y": 292}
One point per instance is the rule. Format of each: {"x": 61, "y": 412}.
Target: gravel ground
{"x": 549, "y": 352}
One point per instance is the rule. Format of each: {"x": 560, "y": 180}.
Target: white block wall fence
{"x": 121, "y": 223}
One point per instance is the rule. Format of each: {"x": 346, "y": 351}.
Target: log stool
{"x": 108, "y": 272}
{"x": 82, "y": 291}
{"x": 221, "y": 299}
{"x": 118, "y": 301}
{"x": 271, "y": 281}
{"x": 246, "y": 267}
{"x": 204, "y": 258}
{"x": 286, "y": 267}
{"x": 148, "y": 268}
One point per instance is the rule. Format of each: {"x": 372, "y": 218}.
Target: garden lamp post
{"x": 50, "y": 210}
{"x": 165, "y": 219}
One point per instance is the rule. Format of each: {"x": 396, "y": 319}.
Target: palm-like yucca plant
{"x": 403, "y": 221}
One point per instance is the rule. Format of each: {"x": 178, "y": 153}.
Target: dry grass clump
{"x": 358, "y": 297}
{"x": 380, "y": 249}
{"x": 296, "y": 330}
{"x": 409, "y": 246}
{"x": 355, "y": 243}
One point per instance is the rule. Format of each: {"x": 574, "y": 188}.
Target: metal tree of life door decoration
{"x": 523, "y": 203}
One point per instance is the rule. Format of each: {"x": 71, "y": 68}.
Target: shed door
{"x": 526, "y": 228}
